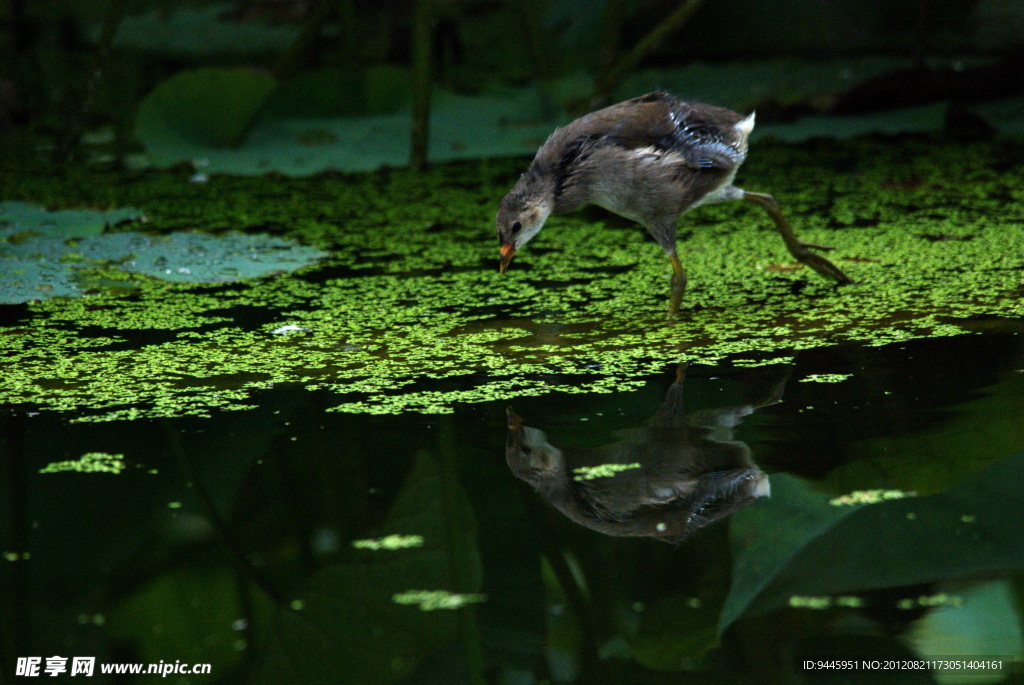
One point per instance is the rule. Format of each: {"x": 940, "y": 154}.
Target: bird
{"x": 665, "y": 480}
{"x": 649, "y": 159}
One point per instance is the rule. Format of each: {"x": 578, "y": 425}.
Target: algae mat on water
{"x": 408, "y": 312}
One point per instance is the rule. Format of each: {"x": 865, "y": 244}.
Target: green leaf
{"x": 346, "y": 625}
{"x": 766, "y": 536}
{"x": 388, "y": 88}
{"x": 320, "y": 93}
{"x": 185, "y": 615}
{"x": 213, "y": 107}
{"x": 985, "y": 621}
{"x": 676, "y": 633}
{"x": 974, "y": 435}
{"x": 799, "y": 548}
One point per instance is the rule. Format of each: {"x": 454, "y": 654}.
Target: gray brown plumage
{"x": 679, "y": 472}
{"x": 649, "y": 159}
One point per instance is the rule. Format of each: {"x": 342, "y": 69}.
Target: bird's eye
{"x": 516, "y": 226}
{"x": 527, "y": 450}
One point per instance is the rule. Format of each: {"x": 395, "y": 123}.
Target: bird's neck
{"x": 571, "y": 197}
{"x": 538, "y": 187}
{"x": 570, "y": 187}
{"x": 544, "y": 190}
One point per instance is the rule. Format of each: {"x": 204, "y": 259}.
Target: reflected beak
{"x": 515, "y": 432}
{"x": 508, "y": 251}
{"x": 514, "y": 422}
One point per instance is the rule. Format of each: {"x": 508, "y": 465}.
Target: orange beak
{"x": 514, "y": 422}
{"x": 508, "y": 251}
{"x": 515, "y": 437}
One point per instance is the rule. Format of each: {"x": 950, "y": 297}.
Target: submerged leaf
{"x": 354, "y": 618}
{"x": 185, "y": 614}
{"x": 986, "y": 621}
{"x": 797, "y": 544}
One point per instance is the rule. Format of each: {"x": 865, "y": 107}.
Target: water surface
{"x": 258, "y": 540}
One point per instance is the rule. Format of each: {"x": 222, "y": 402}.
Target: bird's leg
{"x": 797, "y": 248}
{"x": 678, "y": 286}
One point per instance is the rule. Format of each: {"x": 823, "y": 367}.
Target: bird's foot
{"x": 819, "y": 263}
{"x": 813, "y": 246}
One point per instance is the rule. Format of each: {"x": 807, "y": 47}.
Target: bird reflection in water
{"x": 665, "y": 480}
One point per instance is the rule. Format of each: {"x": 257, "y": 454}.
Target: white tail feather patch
{"x": 763, "y": 488}
{"x": 652, "y": 154}
{"x": 745, "y": 126}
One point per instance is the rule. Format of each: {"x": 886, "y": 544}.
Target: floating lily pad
{"x": 19, "y": 221}
{"x": 360, "y": 121}
{"x": 198, "y": 257}
{"x": 461, "y": 127}
{"x": 58, "y": 254}
{"x": 199, "y": 31}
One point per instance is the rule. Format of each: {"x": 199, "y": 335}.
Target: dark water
{"x": 229, "y": 540}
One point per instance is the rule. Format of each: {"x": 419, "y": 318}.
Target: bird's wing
{"x": 704, "y": 136}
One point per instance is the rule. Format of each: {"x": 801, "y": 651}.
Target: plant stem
{"x": 422, "y": 32}
{"x": 291, "y": 60}
{"x": 115, "y": 13}
{"x": 218, "y": 523}
{"x": 628, "y": 62}
{"x": 611, "y": 34}
{"x": 540, "y": 50}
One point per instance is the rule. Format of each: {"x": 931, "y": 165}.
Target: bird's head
{"x": 521, "y": 215}
{"x": 529, "y": 454}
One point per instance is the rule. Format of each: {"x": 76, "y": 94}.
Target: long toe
{"x": 824, "y": 267}
{"x": 813, "y": 246}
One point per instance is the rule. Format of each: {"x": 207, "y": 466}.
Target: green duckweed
{"x": 601, "y": 471}
{"x": 390, "y": 542}
{"x": 432, "y": 600}
{"x": 826, "y": 377}
{"x": 407, "y": 313}
{"x": 91, "y": 462}
{"x": 869, "y": 497}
